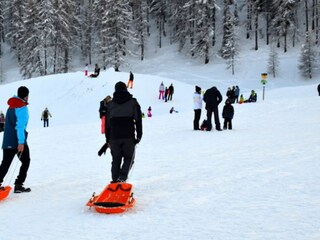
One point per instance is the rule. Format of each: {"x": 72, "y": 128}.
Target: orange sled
{"x": 4, "y": 192}
{"x": 115, "y": 198}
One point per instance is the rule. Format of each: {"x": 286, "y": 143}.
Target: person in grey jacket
{"x": 212, "y": 98}
{"x": 124, "y": 131}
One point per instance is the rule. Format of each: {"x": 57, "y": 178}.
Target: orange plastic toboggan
{"x": 115, "y": 198}
{"x": 4, "y": 192}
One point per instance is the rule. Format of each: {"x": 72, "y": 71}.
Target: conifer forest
{"x": 46, "y": 35}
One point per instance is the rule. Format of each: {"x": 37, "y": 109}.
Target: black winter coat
{"x": 228, "y": 111}
{"x": 212, "y": 98}
{"x": 124, "y": 118}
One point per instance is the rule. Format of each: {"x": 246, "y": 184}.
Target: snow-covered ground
{"x": 257, "y": 181}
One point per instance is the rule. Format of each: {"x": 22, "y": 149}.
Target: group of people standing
{"x": 166, "y": 93}
{"x": 212, "y": 98}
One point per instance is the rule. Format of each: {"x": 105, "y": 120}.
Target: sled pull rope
{"x": 14, "y": 169}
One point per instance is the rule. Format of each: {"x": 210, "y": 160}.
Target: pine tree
{"x": 273, "y": 62}
{"x": 116, "y": 33}
{"x": 139, "y": 10}
{"x": 308, "y": 57}
{"x": 30, "y": 60}
{"x": 158, "y": 8}
{"x": 203, "y": 30}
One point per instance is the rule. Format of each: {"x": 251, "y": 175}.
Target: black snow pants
{"x": 216, "y": 118}
{"x": 122, "y": 151}
{"x": 197, "y": 115}
{"x": 8, "y": 155}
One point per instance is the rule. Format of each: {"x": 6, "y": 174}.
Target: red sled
{"x": 115, "y": 198}
{"x": 4, "y": 192}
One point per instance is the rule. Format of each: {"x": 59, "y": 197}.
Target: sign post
{"x": 264, "y": 82}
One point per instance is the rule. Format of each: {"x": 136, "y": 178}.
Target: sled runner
{"x": 115, "y": 198}
{"x": 4, "y": 192}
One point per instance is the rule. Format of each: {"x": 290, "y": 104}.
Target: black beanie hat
{"x": 198, "y": 89}
{"x": 23, "y": 92}
{"x": 120, "y": 86}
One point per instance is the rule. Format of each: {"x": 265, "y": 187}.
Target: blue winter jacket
{"x": 17, "y": 117}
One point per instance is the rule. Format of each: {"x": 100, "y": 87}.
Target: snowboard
{"x": 4, "y": 192}
{"x": 115, "y": 198}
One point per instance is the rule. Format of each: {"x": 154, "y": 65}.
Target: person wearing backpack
{"x": 45, "y": 117}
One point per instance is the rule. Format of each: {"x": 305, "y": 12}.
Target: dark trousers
{"x": 45, "y": 122}
{"x": 216, "y": 118}
{"x": 8, "y": 155}
{"x": 197, "y": 115}
{"x": 122, "y": 151}
{"x": 227, "y": 123}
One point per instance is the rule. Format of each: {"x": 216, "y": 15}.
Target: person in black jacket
{"x": 96, "y": 71}
{"x": 212, "y": 98}
{"x": 319, "y": 89}
{"x": 124, "y": 131}
{"x": 227, "y": 114}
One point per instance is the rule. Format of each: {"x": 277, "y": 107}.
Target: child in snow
{"x": 227, "y": 114}
{"x": 149, "y": 112}
{"x": 96, "y": 71}
{"x": 241, "y": 99}
{"x": 161, "y": 91}
{"x": 86, "y": 70}
{"x": 172, "y": 110}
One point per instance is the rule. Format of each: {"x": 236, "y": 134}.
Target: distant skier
{"x": 45, "y": 117}
{"x": 130, "y": 81}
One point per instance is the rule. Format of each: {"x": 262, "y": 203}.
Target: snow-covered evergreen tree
{"x": 284, "y": 20}
{"x": 308, "y": 57}
{"x": 13, "y": 13}
{"x": 87, "y": 22}
{"x": 30, "y": 54}
{"x": 116, "y": 33}
{"x": 203, "y": 30}
{"x": 273, "y": 62}
{"x": 158, "y": 9}
{"x": 139, "y": 12}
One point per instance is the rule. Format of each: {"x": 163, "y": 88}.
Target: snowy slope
{"x": 258, "y": 181}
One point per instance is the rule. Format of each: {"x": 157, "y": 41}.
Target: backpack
{"x": 45, "y": 114}
{"x": 204, "y": 125}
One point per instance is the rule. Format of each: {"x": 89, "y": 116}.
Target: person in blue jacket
{"x": 15, "y": 138}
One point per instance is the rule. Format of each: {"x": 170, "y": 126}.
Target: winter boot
{"x": 21, "y": 189}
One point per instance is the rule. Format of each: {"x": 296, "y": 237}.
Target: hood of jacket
{"x": 120, "y": 97}
{"x": 16, "y": 102}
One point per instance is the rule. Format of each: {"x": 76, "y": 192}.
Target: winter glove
{"x": 136, "y": 141}
{"x": 103, "y": 149}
